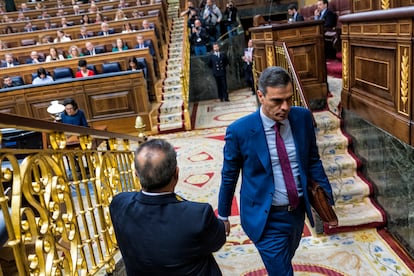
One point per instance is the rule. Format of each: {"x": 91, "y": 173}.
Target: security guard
{"x": 218, "y": 62}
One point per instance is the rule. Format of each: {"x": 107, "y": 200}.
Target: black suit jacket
{"x": 98, "y": 50}
{"x": 110, "y": 31}
{"x": 147, "y": 44}
{"x": 218, "y": 64}
{"x": 329, "y": 18}
{"x": 4, "y": 64}
{"x": 166, "y": 235}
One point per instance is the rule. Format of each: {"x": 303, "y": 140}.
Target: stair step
{"x": 341, "y": 165}
{"x": 349, "y": 189}
{"x": 332, "y": 143}
{"x": 358, "y": 214}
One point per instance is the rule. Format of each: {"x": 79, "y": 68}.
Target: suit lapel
{"x": 258, "y": 137}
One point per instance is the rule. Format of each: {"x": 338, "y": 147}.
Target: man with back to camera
{"x": 159, "y": 232}
{"x": 275, "y": 150}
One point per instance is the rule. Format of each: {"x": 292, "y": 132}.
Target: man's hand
{"x": 227, "y": 226}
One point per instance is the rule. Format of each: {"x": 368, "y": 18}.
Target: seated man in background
{"x": 176, "y": 236}
{"x": 8, "y": 82}
{"x": 83, "y": 34}
{"x": 9, "y": 61}
{"x": 91, "y": 50}
{"x": 34, "y": 58}
{"x": 141, "y": 43}
{"x": 105, "y": 30}
{"x": 294, "y": 16}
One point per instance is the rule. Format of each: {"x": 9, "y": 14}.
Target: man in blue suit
{"x": 268, "y": 216}
{"x": 322, "y": 12}
{"x": 158, "y": 232}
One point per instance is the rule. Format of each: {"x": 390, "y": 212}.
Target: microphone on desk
{"x": 270, "y": 12}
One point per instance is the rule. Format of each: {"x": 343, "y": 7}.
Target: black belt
{"x": 284, "y": 208}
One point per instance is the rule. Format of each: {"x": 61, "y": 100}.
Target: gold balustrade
{"x": 54, "y": 201}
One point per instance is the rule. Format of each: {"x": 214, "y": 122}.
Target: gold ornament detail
{"x": 57, "y": 140}
{"x": 345, "y": 68}
{"x": 270, "y": 56}
{"x": 85, "y": 142}
{"x": 385, "y": 4}
{"x": 405, "y": 71}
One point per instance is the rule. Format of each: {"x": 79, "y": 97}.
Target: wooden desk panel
{"x": 306, "y": 46}
{"x": 98, "y": 97}
{"x": 377, "y": 69}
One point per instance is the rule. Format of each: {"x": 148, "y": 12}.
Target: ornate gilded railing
{"x": 185, "y": 76}
{"x": 54, "y": 200}
{"x": 282, "y": 59}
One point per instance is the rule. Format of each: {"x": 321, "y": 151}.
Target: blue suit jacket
{"x": 166, "y": 235}
{"x": 246, "y": 150}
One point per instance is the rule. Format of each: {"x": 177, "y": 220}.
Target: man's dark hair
{"x": 292, "y": 7}
{"x": 326, "y": 2}
{"x": 156, "y": 175}
{"x": 273, "y": 76}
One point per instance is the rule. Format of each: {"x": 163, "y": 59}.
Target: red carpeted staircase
{"x": 354, "y": 202}
{"x": 334, "y": 66}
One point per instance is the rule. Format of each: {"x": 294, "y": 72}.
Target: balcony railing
{"x": 54, "y": 200}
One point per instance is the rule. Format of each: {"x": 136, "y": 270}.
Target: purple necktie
{"x": 286, "y": 169}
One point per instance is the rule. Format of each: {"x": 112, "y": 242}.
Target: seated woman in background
{"x": 84, "y": 71}
{"x": 98, "y": 18}
{"x": 46, "y": 39}
{"x": 120, "y": 15}
{"x": 127, "y": 28}
{"x": 2, "y": 45}
{"x": 120, "y": 46}
{"x": 8, "y": 30}
{"x": 42, "y": 77}
{"x": 133, "y": 64}
{"x": 74, "y": 52}
{"x": 85, "y": 20}
{"x": 72, "y": 114}
{"x": 53, "y": 55}
{"x": 61, "y": 37}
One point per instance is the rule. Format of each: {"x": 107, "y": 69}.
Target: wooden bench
{"x": 15, "y": 39}
{"x": 52, "y": 9}
{"x": 22, "y": 53}
{"x": 26, "y": 71}
{"x": 103, "y": 102}
{"x": 154, "y": 9}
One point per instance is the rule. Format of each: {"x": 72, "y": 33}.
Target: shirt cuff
{"x": 222, "y": 218}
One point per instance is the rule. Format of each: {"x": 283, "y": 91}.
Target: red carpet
{"x": 334, "y": 68}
